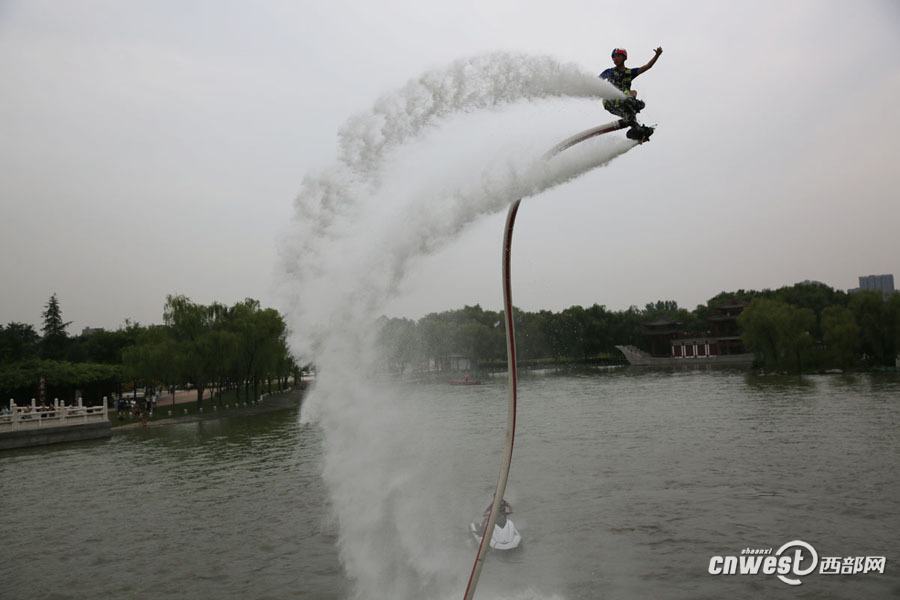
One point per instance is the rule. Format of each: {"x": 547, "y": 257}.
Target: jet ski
{"x": 505, "y": 536}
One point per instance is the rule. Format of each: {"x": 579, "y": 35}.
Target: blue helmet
{"x": 621, "y": 51}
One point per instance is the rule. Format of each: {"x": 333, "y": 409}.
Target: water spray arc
{"x": 512, "y": 375}
{"x": 361, "y": 225}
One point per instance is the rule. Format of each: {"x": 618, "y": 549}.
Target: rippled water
{"x": 218, "y": 509}
{"x": 624, "y": 484}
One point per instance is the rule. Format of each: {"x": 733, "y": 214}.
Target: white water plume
{"x": 469, "y": 84}
{"x": 392, "y": 197}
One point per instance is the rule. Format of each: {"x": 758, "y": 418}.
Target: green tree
{"x": 554, "y": 331}
{"x": 747, "y": 296}
{"x": 841, "y": 336}
{"x": 798, "y": 324}
{"x": 398, "y": 341}
{"x": 188, "y": 322}
{"x": 814, "y": 296}
{"x": 626, "y": 327}
{"x": 598, "y": 330}
{"x": 107, "y": 346}
{"x": 778, "y": 333}
{"x": 879, "y": 324}
{"x": 435, "y": 336}
{"x": 19, "y": 380}
{"x": 760, "y": 327}
{"x": 259, "y": 335}
{"x": 531, "y": 340}
{"x": 154, "y": 360}
{"x": 55, "y": 339}
{"x": 18, "y": 342}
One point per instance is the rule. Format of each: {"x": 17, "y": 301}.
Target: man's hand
{"x": 649, "y": 65}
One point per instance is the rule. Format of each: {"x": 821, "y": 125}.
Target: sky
{"x": 150, "y": 148}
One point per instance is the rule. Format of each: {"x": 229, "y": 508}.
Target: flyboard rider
{"x": 621, "y": 76}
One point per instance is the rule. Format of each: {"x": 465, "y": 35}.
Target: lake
{"x": 624, "y": 484}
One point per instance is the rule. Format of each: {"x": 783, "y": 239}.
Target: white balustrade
{"x": 59, "y": 415}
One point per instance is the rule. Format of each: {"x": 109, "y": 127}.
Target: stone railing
{"x": 267, "y": 395}
{"x": 59, "y": 415}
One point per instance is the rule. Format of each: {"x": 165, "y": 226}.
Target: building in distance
{"x": 876, "y": 283}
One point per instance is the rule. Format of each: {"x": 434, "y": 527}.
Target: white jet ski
{"x": 505, "y": 536}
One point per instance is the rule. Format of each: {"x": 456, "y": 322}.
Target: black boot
{"x": 639, "y": 133}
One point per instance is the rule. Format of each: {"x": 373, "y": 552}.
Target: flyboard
{"x": 639, "y": 133}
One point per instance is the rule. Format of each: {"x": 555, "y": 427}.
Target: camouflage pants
{"x": 626, "y": 109}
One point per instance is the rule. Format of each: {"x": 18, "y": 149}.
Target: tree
{"x": 259, "y": 335}
{"x": 19, "y": 380}
{"x": 759, "y": 324}
{"x": 814, "y": 296}
{"x": 434, "y": 333}
{"x": 553, "y": 333}
{"x": 397, "y": 339}
{"x": 879, "y": 323}
{"x": 798, "y": 324}
{"x": 55, "y": 340}
{"x": 213, "y": 346}
{"x": 779, "y": 333}
{"x": 531, "y": 341}
{"x": 188, "y": 322}
{"x": 107, "y": 346}
{"x": 746, "y": 296}
{"x": 841, "y": 336}
{"x": 155, "y": 359}
{"x": 18, "y": 342}
{"x": 598, "y": 330}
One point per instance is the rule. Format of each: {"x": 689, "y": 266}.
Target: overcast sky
{"x": 151, "y": 148}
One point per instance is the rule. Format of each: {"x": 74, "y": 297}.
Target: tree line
{"x": 478, "y": 335}
{"x": 794, "y": 328}
{"x": 817, "y": 328}
{"x": 224, "y": 347}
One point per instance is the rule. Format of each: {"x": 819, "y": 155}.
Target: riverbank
{"x": 268, "y": 403}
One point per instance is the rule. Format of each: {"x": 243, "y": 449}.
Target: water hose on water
{"x": 485, "y": 544}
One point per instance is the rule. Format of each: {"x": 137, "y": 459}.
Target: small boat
{"x": 505, "y": 537}
{"x": 466, "y": 381}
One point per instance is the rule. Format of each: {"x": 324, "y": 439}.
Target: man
{"x": 621, "y": 77}
{"x": 505, "y": 509}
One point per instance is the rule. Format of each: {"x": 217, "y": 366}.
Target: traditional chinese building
{"x": 725, "y": 328}
{"x": 668, "y": 342}
{"x": 661, "y": 336}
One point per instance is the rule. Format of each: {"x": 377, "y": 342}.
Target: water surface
{"x": 624, "y": 484}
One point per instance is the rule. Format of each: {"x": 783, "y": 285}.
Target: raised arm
{"x": 652, "y": 62}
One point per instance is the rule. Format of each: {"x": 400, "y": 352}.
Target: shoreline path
{"x": 274, "y": 402}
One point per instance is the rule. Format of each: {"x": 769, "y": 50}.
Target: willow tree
{"x": 779, "y": 333}
{"x": 189, "y": 323}
{"x": 260, "y": 337}
{"x": 840, "y": 332}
